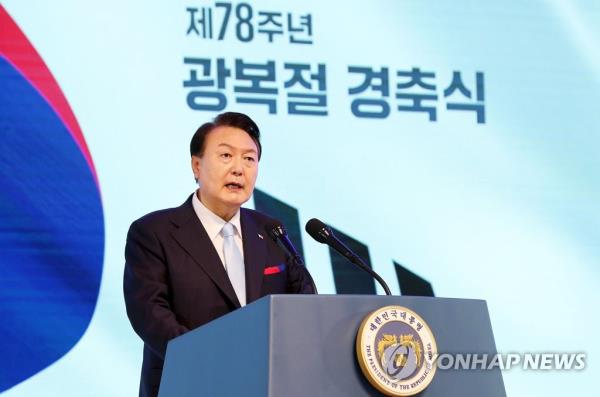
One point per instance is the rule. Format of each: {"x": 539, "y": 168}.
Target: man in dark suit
{"x": 188, "y": 265}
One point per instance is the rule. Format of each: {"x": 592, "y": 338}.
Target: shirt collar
{"x": 212, "y": 222}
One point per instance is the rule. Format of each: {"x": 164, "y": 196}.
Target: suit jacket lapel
{"x": 192, "y": 237}
{"x": 255, "y": 255}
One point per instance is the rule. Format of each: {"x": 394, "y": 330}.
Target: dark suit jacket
{"x": 175, "y": 281}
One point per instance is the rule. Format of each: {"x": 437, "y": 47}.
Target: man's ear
{"x": 195, "y": 163}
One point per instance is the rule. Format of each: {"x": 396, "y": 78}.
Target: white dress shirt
{"x": 213, "y": 225}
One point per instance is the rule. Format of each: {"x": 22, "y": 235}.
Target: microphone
{"x": 278, "y": 233}
{"x": 323, "y": 234}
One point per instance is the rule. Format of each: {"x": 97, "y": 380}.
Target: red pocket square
{"x": 274, "y": 269}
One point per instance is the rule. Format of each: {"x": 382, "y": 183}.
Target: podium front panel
{"x": 303, "y": 345}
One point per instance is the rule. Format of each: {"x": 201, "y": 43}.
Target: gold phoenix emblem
{"x": 396, "y": 350}
{"x": 405, "y": 340}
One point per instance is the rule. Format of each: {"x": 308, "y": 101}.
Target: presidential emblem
{"x": 396, "y": 351}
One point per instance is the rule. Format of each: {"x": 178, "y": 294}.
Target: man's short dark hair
{"x": 227, "y": 119}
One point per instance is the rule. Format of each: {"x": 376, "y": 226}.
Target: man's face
{"x": 227, "y": 170}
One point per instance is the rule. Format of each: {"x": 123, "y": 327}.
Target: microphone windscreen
{"x": 315, "y": 228}
{"x": 274, "y": 228}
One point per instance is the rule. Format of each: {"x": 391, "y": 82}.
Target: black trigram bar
{"x": 348, "y": 278}
{"x": 412, "y": 284}
{"x": 282, "y": 211}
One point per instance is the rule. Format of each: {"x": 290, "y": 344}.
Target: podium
{"x": 304, "y": 345}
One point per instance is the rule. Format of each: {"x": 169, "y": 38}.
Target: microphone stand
{"x": 361, "y": 264}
